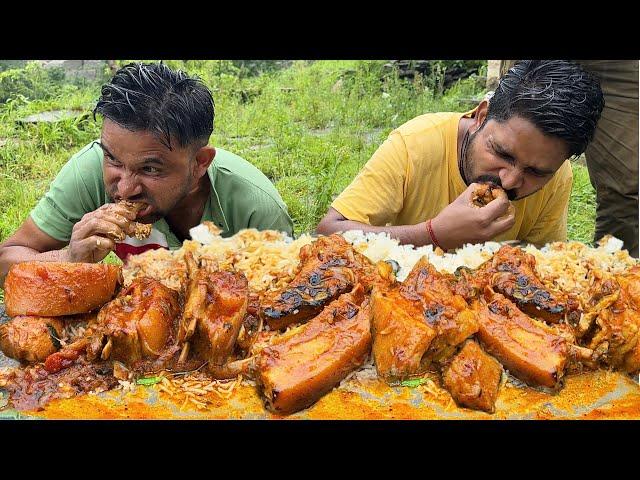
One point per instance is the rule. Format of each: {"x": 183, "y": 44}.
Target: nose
{"x": 511, "y": 178}
{"x": 128, "y": 186}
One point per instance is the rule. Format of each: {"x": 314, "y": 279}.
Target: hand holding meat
{"x": 94, "y": 236}
{"x": 463, "y": 222}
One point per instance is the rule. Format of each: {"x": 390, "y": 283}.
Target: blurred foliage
{"x": 308, "y": 125}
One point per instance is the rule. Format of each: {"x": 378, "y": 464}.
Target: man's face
{"x": 514, "y": 154}
{"x": 138, "y": 167}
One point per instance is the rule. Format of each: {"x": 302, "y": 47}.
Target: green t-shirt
{"x": 241, "y": 197}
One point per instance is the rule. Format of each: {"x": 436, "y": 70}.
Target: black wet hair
{"x": 557, "y": 96}
{"x": 152, "y": 97}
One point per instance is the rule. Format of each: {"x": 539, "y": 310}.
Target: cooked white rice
{"x": 380, "y": 246}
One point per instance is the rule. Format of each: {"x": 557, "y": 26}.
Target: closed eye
{"x": 537, "y": 173}
{"x": 507, "y": 157}
{"x": 112, "y": 161}
{"x": 151, "y": 170}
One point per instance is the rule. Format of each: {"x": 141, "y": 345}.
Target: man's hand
{"x": 461, "y": 223}
{"x": 94, "y": 236}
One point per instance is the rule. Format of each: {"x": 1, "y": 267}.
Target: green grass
{"x": 581, "y": 222}
{"x": 309, "y": 128}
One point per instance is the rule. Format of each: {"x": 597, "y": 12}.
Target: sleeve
{"x": 71, "y": 194}
{"x": 376, "y": 195}
{"x": 551, "y": 225}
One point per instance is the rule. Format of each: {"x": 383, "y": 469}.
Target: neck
{"x": 188, "y": 212}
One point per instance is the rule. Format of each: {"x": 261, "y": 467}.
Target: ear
{"x": 204, "y": 157}
{"x": 481, "y": 114}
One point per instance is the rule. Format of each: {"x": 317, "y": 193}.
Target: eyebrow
{"x": 503, "y": 153}
{"x": 145, "y": 161}
{"x": 155, "y": 160}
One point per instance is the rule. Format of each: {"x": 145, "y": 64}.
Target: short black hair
{"x": 153, "y": 97}
{"x": 557, "y": 96}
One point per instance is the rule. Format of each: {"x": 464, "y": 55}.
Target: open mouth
{"x": 147, "y": 210}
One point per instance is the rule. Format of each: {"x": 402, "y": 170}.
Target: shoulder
{"x": 234, "y": 175}
{"x": 565, "y": 172}
{"x": 427, "y": 123}
{"x": 87, "y": 169}
{"x": 428, "y": 139}
{"x": 237, "y": 167}
{"x": 556, "y": 190}
{"x": 90, "y": 155}
{"x": 85, "y": 166}
{"x": 83, "y": 169}
{"x": 562, "y": 179}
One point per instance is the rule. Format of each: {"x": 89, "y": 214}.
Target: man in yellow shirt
{"x": 418, "y": 185}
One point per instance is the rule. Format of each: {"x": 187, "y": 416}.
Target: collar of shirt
{"x": 216, "y": 212}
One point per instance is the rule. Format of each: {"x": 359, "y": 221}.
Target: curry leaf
{"x": 413, "y": 383}
{"x": 148, "y": 381}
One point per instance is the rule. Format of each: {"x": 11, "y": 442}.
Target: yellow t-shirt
{"x": 414, "y": 175}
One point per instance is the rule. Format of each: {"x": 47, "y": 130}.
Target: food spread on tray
{"x": 290, "y": 321}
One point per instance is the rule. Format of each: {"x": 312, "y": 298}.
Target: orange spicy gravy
{"x": 593, "y": 395}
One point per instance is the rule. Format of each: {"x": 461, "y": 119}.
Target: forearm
{"x": 407, "y": 234}
{"x": 15, "y": 254}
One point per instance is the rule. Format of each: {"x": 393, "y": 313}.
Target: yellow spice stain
{"x": 592, "y": 395}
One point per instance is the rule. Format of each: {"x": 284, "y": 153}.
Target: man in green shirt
{"x": 154, "y": 150}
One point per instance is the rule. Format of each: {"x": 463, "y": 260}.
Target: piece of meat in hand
{"x": 133, "y": 229}
{"x": 138, "y": 324}
{"x": 473, "y": 378}
{"x": 30, "y": 339}
{"x": 329, "y": 267}
{"x": 485, "y": 193}
{"x": 214, "y": 312}
{"x": 306, "y": 362}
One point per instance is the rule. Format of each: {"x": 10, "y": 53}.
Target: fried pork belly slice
{"x": 138, "y": 324}
{"x": 473, "y": 378}
{"x": 512, "y": 273}
{"x": 448, "y": 313}
{"x": 305, "y": 363}
{"x": 527, "y": 348}
{"x": 214, "y": 312}
{"x": 401, "y": 337}
{"x": 329, "y": 267}
{"x": 31, "y": 339}
{"x": 54, "y": 289}
{"x": 615, "y": 334}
